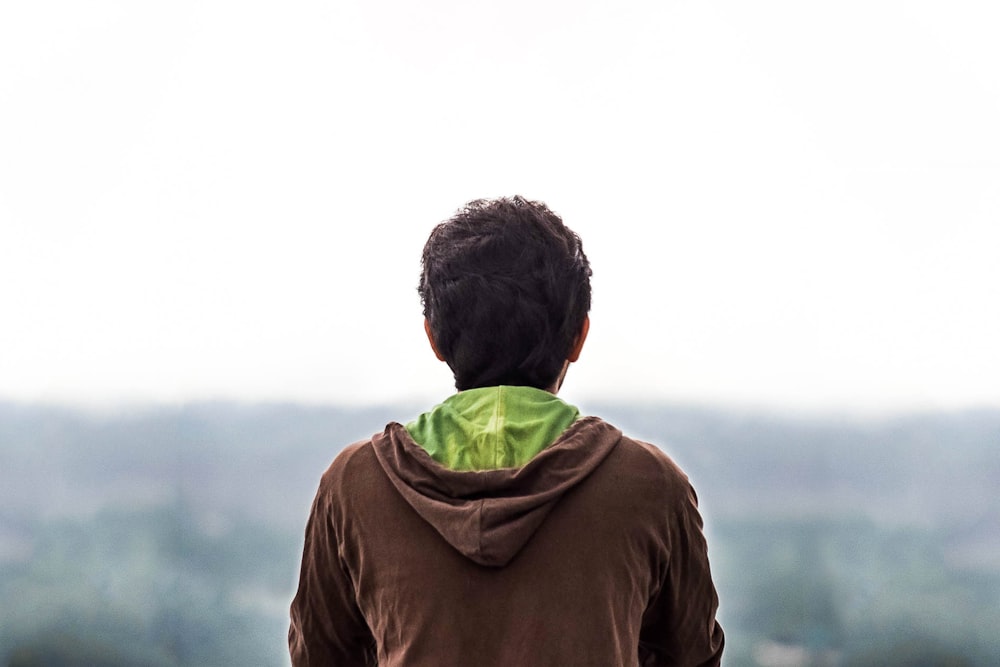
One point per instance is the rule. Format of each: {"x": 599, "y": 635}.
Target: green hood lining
{"x": 492, "y": 427}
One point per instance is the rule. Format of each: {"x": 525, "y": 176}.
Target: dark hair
{"x": 506, "y": 287}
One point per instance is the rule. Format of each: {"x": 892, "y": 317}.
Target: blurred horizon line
{"x": 109, "y": 408}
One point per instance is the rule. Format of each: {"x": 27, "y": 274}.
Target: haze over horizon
{"x": 786, "y": 206}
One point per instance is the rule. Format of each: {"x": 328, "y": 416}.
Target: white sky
{"x": 786, "y": 204}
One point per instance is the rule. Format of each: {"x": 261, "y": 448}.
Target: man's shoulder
{"x": 651, "y": 455}
{"x": 353, "y": 453}
{"x": 642, "y": 460}
{"x": 351, "y": 465}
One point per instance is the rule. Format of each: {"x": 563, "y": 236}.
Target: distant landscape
{"x": 171, "y": 536}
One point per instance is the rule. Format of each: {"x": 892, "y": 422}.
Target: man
{"x": 501, "y": 527}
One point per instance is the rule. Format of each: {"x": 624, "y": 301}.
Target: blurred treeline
{"x": 172, "y": 536}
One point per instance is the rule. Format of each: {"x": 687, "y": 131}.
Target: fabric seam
{"x": 499, "y": 417}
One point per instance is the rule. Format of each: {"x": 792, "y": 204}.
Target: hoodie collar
{"x": 489, "y": 515}
{"x": 492, "y": 427}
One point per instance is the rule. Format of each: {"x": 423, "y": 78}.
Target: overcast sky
{"x": 786, "y": 204}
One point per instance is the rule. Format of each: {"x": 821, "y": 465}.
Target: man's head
{"x": 506, "y": 291}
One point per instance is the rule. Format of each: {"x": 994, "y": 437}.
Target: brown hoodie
{"x": 590, "y": 554}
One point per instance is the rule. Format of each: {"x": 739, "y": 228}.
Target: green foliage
{"x": 151, "y": 588}
{"x": 868, "y": 594}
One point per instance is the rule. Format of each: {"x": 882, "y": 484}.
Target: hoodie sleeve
{"x": 679, "y": 628}
{"x": 327, "y": 627}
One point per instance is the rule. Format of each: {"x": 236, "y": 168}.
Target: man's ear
{"x": 430, "y": 338}
{"x": 574, "y": 352}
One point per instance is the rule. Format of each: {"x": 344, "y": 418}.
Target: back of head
{"x": 506, "y": 288}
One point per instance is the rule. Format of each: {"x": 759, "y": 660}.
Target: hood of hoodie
{"x": 489, "y": 515}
